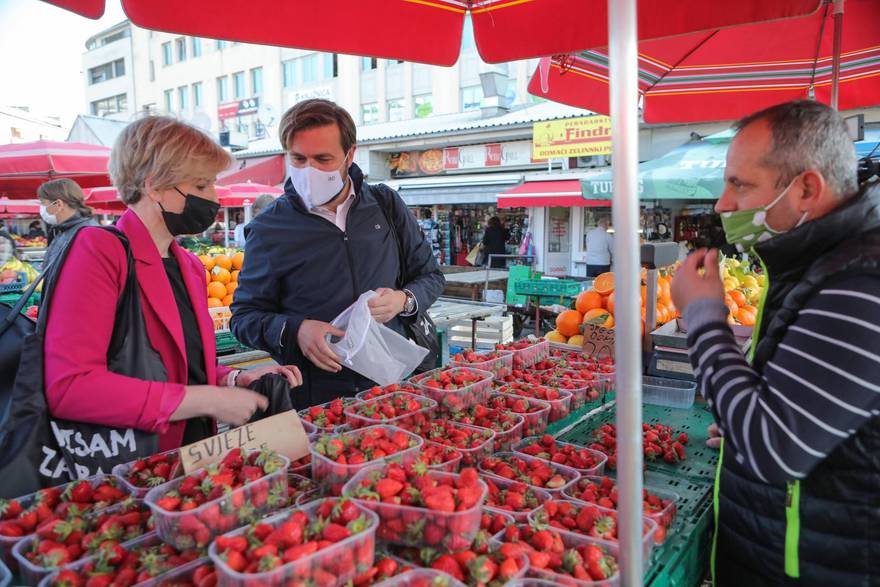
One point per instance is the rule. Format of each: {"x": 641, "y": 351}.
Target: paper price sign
{"x": 598, "y": 341}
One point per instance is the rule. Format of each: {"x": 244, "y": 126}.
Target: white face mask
{"x": 316, "y": 187}
{"x": 49, "y": 219}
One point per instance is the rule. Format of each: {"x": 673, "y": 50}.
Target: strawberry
{"x": 438, "y": 384}
{"x": 394, "y": 408}
{"x": 152, "y": 471}
{"x": 529, "y": 470}
{"x": 377, "y": 391}
{"x": 549, "y": 449}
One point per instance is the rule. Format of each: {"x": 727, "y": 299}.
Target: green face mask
{"x": 747, "y": 228}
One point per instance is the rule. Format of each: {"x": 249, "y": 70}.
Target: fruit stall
{"x": 498, "y": 468}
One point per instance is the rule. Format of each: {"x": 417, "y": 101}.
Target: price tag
{"x": 282, "y": 433}
{"x": 598, "y": 341}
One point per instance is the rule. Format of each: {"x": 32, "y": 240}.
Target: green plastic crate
{"x": 684, "y": 560}
{"x": 548, "y": 287}
{"x": 227, "y": 343}
{"x": 12, "y": 298}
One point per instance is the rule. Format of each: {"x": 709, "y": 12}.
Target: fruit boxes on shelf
{"x": 220, "y": 506}
{"x": 499, "y": 363}
{"x": 321, "y": 543}
{"x": 440, "y": 457}
{"x": 395, "y": 409}
{"x": 454, "y": 389}
{"x": 339, "y": 457}
{"x": 526, "y": 352}
{"x": 550, "y": 477}
{"x": 583, "y": 460}
{"x": 548, "y": 287}
{"x": 513, "y": 498}
{"x": 437, "y": 510}
{"x": 508, "y": 427}
{"x": 472, "y": 442}
{"x": 535, "y": 412}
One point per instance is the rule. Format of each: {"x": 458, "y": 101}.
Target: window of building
{"x": 310, "y": 69}
{"x": 110, "y": 105}
{"x": 107, "y": 71}
{"x": 169, "y": 101}
{"x": 331, "y": 65}
{"x": 369, "y": 63}
{"x": 289, "y": 71}
{"x": 395, "y": 61}
{"x": 256, "y": 81}
{"x": 152, "y": 70}
{"x": 196, "y": 47}
{"x": 395, "y": 110}
{"x": 423, "y": 106}
{"x": 166, "y": 53}
{"x": 181, "y": 49}
{"x": 221, "y": 45}
{"x": 370, "y": 113}
{"x": 238, "y": 84}
{"x": 222, "y": 89}
{"x": 197, "y": 94}
{"x": 183, "y": 98}
{"x": 123, "y": 34}
{"x": 471, "y": 98}
{"x": 243, "y": 127}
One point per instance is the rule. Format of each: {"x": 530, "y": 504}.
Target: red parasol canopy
{"x": 24, "y": 166}
{"x": 244, "y": 194}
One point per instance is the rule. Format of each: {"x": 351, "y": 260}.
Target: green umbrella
{"x": 693, "y": 171}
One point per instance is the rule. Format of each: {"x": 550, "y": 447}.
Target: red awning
{"x": 31, "y": 207}
{"x": 266, "y": 170}
{"x": 24, "y": 166}
{"x": 538, "y": 194}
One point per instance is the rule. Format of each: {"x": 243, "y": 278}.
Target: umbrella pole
{"x": 835, "y": 63}
{"x": 624, "y": 67}
{"x": 226, "y": 227}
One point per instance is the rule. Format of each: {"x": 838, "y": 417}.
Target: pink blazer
{"x": 78, "y": 385}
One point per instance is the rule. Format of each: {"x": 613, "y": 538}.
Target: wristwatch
{"x": 410, "y": 306}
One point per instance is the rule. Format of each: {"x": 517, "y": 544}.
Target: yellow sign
{"x": 572, "y": 137}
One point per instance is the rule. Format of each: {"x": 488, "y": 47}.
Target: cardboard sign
{"x": 282, "y": 433}
{"x": 598, "y": 341}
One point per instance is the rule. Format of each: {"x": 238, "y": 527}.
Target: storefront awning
{"x": 266, "y": 170}
{"x": 538, "y": 194}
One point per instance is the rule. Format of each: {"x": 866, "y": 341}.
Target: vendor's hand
{"x": 689, "y": 285}
{"x": 313, "y": 344}
{"x": 388, "y": 304}
{"x": 715, "y": 436}
{"x": 229, "y": 405}
{"x": 290, "y": 372}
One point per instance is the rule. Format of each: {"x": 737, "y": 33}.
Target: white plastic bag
{"x": 372, "y": 349}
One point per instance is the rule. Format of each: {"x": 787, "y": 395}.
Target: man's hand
{"x": 388, "y": 304}
{"x": 715, "y": 436}
{"x": 689, "y": 285}
{"x": 290, "y": 372}
{"x": 313, "y": 344}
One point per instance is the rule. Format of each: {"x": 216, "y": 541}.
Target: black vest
{"x": 839, "y": 502}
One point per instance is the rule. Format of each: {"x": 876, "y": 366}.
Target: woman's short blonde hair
{"x": 166, "y": 151}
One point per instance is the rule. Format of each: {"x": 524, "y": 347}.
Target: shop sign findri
{"x": 571, "y": 137}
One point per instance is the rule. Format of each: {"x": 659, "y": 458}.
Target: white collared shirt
{"x": 341, "y": 215}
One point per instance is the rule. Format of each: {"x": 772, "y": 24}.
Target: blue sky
{"x": 41, "y": 49}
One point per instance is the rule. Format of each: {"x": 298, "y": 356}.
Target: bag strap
{"x": 387, "y": 208}
{"x": 19, "y": 305}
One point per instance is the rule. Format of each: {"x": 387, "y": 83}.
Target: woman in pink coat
{"x": 164, "y": 171}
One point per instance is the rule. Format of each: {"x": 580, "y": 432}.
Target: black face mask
{"x": 198, "y": 214}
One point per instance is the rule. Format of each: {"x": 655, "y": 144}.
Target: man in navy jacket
{"x": 314, "y": 251}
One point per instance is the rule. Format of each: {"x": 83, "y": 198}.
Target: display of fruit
{"x": 454, "y": 389}
{"x": 299, "y": 486}
{"x": 204, "y": 575}
{"x": 531, "y": 471}
{"x": 366, "y": 445}
{"x": 60, "y": 542}
{"x": 743, "y": 289}
{"x": 535, "y": 413}
{"x": 516, "y": 497}
{"x": 329, "y": 416}
{"x": 493, "y": 522}
{"x": 383, "y": 569}
{"x": 526, "y": 351}
{"x": 556, "y": 557}
{"x": 398, "y": 408}
{"x": 659, "y": 442}
{"x": 154, "y": 470}
{"x": 471, "y": 441}
{"x": 18, "y": 518}
{"x": 119, "y": 567}
{"x": 498, "y": 362}
{"x": 221, "y": 274}
{"x": 27, "y": 242}
{"x": 543, "y": 365}
{"x": 300, "y": 535}
{"x": 14, "y": 269}
{"x": 507, "y": 425}
{"x": 477, "y": 566}
{"x": 418, "y": 506}
{"x": 377, "y": 391}
{"x": 560, "y": 401}
{"x": 439, "y": 456}
{"x": 585, "y": 519}
{"x": 562, "y": 453}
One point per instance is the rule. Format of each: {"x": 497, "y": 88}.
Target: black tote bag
{"x": 37, "y": 450}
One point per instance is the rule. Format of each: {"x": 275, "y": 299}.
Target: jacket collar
{"x": 354, "y": 172}
{"x": 791, "y": 253}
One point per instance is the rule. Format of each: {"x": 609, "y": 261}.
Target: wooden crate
{"x": 490, "y": 331}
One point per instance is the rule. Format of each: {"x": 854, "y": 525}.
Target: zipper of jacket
{"x": 354, "y": 282}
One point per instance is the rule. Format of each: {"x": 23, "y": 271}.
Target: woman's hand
{"x": 290, "y": 372}
{"x": 230, "y": 405}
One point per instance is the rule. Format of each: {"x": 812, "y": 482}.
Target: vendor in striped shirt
{"x": 797, "y": 494}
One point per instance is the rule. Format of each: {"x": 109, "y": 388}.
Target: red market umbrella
{"x": 108, "y": 196}
{"x": 24, "y": 166}
{"x": 244, "y": 194}
{"x": 430, "y": 31}
{"x": 726, "y": 74}
{"x": 23, "y": 207}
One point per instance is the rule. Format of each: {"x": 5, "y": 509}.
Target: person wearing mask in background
{"x": 260, "y": 203}
{"x": 63, "y": 209}
{"x": 431, "y": 230}
{"x": 7, "y": 246}
{"x": 164, "y": 171}
{"x": 321, "y": 245}
{"x": 495, "y": 242}
{"x": 600, "y": 247}
{"x": 35, "y": 230}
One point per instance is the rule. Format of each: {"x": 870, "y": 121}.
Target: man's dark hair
{"x": 427, "y": 214}
{"x": 315, "y": 113}
{"x": 495, "y": 222}
{"x": 809, "y": 135}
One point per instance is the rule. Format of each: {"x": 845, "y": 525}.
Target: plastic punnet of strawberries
{"x": 301, "y": 535}
{"x": 659, "y": 442}
{"x": 383, "y": 568}
{"x": 559, "y": 557}
{"x": 61, "y": 542}
{"x": 154, "y": 470}
{"x": 417, "y": 506}
{"x": 203, "y": 575}
{"x": 329, "y": 416}
{"x": 507, "y": 425}
{"x": 118, "y": 567}
{"x": 395, "y": 408}
{"x": 517, "y": 497}
{"x": 562, "y": 453}
{"x": 377, "y": 391}
{"x": 239, "y": 486}
{"x": 20, "y": 517}
{"x": 298, "y": 486}
{"x": 534, "y": 472}
{"x": 476, "y": 566}
{"x": 559, "y": 408}
{"x": 587, "y": 520}
{"x": 472, "y": 441}
{"x": 535, "y": 413}
{"x": 475, "y": 358}
{"x": 453, "y": 389}
{"x": 439, "y": 457}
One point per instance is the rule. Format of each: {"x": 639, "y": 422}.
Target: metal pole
{"x": 226, "y": 227}
{"x": 624, "y": 67}
{"x": 835, "y": 60}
